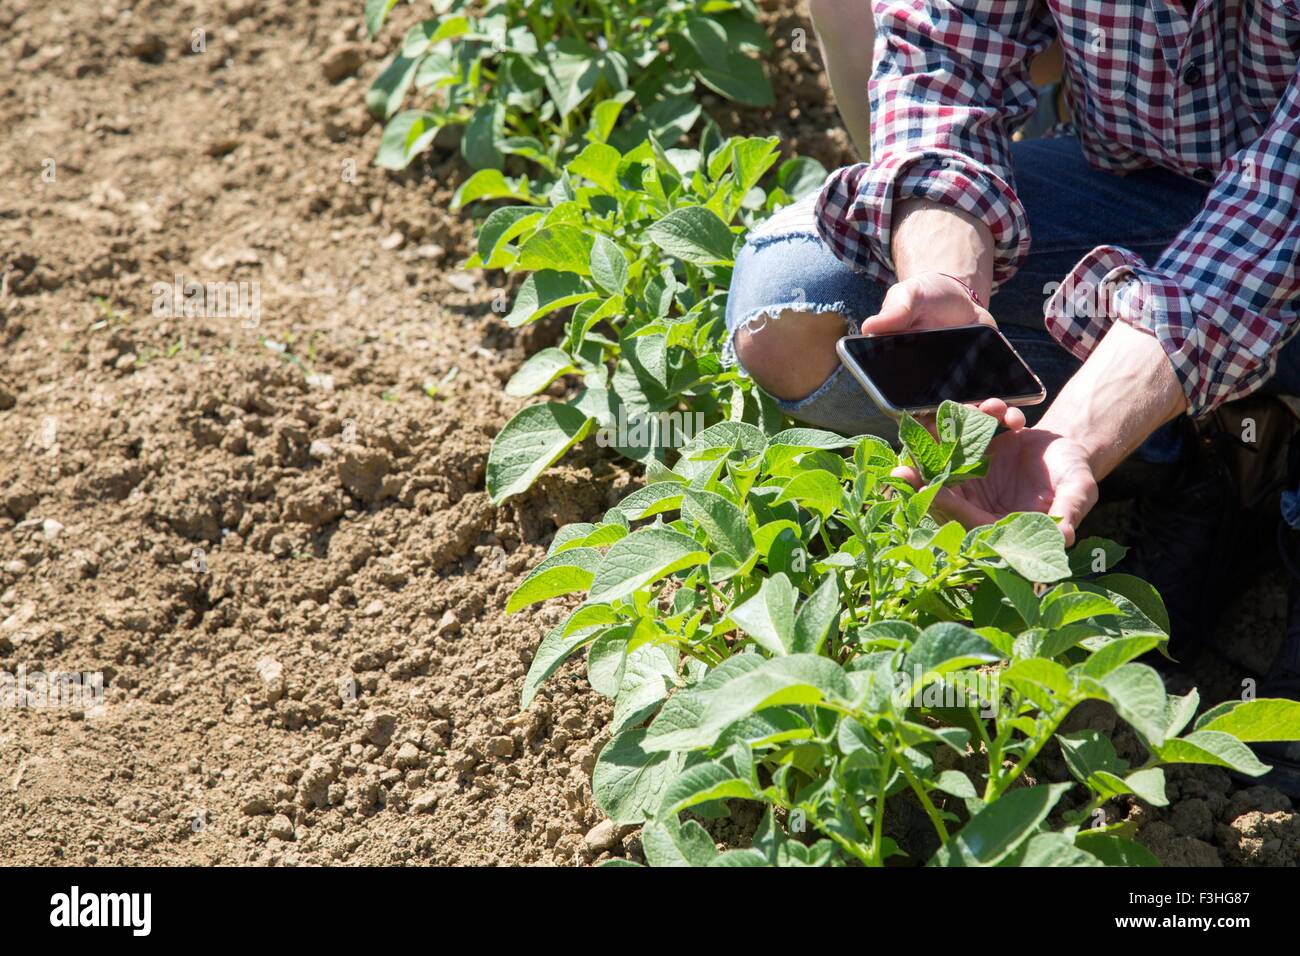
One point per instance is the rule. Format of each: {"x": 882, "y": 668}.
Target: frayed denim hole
{"x": 791, "y": 406}
{"x": 761, "y": 241}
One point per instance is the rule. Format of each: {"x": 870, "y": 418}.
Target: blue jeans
{"x": 1071, "y": 208}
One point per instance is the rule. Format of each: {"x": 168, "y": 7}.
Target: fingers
{"x": 908, "y": 474}
{"x": 1012, "y": 419}
{"x": 928, "y": 300}
{"x": 948, "y": 504}
{"x": 897, "y": 311}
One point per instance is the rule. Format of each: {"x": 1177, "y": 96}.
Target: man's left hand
{"x": 1030, "y": 469}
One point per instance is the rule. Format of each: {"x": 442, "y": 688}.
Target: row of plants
{"x": 623, "y": 212}
{"x": 636, "y": 248}
{"x": 530, "y": 78}
{"x": 779, "y": 621}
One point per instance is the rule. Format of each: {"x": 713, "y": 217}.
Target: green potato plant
{"x": 631, "y": 239}
{"x": 780, "y": 622}
{"x": 531, "y": 78}
{"x": 637, "y": 248}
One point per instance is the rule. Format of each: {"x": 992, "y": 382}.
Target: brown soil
{"x": 270, "y": 538}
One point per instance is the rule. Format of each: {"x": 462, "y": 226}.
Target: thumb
{"x": 1073, "y": 500}
{"x": 897, "y": 311}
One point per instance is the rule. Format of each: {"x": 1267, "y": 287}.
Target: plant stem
{"x": 873, "y": 586}
{"x": 710, "y": 658}
{"x": 873, "y": 582}
{"x": 878, "y": 820}
{"x": 984, "y": 735}
{"x": 930, "y": 810}
{"x": 995, "y": 751}
{"x": 1029, "y": 755}
{"x": 714, "y": 595}
{"x": 845, "y": 844}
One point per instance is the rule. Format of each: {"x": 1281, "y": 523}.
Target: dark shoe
{"x": 1283, "y": 677}
{"x": 1283, "y": 680}
{"x": 1203, "y": 536}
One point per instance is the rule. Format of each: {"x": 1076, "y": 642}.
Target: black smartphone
{"x": 916, "y": 372}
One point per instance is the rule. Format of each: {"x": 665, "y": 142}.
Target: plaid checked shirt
{"x": 1214, "y": 95}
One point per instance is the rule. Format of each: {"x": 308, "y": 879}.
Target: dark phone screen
{"x": 922, "y": 369}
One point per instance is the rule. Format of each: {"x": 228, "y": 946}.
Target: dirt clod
{"x": 280, "y": 827}
{"x": 605, "y": 835}
{"x": 341, "y": 61}
{"x": 425, "y": 802}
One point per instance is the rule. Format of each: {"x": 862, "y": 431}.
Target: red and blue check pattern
{"x": 1213, "y": 94}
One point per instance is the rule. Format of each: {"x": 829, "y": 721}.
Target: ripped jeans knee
{"x": 785, "y": 272}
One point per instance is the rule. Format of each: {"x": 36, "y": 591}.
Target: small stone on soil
{"x": 425, "y": 802}
{"x": 605, "y": 835}
{"x": 341, "y": 61}
{"x": 255, "y": 805}
{"x": 408, "y": 756}
{"x": 379, "y": 728}
{"x": 448, "y": 624}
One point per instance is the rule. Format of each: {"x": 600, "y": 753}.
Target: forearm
{"x": 846, "y": 34}
{"x": 931, "y": 237}
{"x": 1125, "y": 390}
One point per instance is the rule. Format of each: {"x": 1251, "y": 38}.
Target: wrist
{"x": 931, "y": 237}
{"x": 974, "y": 296}
{"x": 1125, "y": 391}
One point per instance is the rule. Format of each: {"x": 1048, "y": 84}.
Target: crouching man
{"x": 1144, "y": 266}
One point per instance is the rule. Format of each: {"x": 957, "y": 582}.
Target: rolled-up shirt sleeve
{"x": 1224, "y": 297}
{"x": 951, "y": 80}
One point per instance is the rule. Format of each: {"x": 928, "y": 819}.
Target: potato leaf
{"x": 564, "y": 573}
{"x": 1212, "y": 747}
{"x": 694, "y": 718}
{"x": 1032, "y": 546}
{"x": 1257, "y": 721}
{"x": 768, "y": 617}
{"x": 642, "y": 558}
{"x": 628, "y": 781}
{"x": 540, "y": 370}
{"x": 1000, "y": 827}
{"x": 693, "y": 234}
{"x": 530, "y": 443}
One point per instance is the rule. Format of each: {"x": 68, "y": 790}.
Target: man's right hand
{"x": 926, "y": 300}
{"x": 935, "y": 250}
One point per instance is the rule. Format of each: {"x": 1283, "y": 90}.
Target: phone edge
{"x": 897, "y": 413}
{"x": 863, "y": 379}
